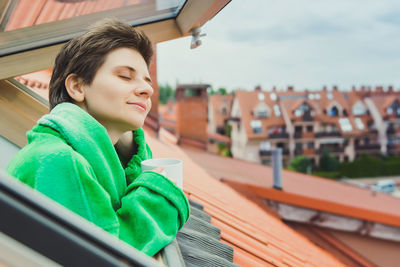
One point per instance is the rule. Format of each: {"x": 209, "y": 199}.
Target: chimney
{"x": 258, "y": 88}
{"x": 390, "y": 89}
{"x": 379, "y": 89}
{"x": 274, "y": 89}
{"x": 277, "y": 167}
{"x": 335, "y": 88}
{"x": 353, "y": 88}
{"x": 290, "y": 88}
{"x": 324, "y": 88}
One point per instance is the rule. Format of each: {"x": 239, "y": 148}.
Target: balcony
{"x": 330, "y": 150}
{"x": 308, "y": 117}
{"x": 298, "y": 135}
{"x": 368, "y": 147}
{"x": 268, "y": 153}
{"x": 327, "y": 134}
{"x": 393, "y": 147}
{"x": 391, "y": 131}
{"x": 298, "y": 151}
{"x": 283, "y": 135}
{"x": 309, "y": 151}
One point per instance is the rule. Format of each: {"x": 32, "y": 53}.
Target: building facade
{"x": 346, "y": 124}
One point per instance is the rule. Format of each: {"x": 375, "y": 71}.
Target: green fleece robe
{"x": 70, "y": 158}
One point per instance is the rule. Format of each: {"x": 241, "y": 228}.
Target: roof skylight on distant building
{"x": 273, "y": 96}
{"x": 345, "y": 125}
{"x": 317, "y": 96}
{"x": 277, "y": 111}
{"x": 261, "y": 96}
{"x": 359, "y": 124}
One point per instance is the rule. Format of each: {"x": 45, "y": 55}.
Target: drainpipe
{"x": 277, "y": 167}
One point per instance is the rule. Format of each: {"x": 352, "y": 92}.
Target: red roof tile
{"x": 258, "y": 238}
{"x": 303, "y": 190}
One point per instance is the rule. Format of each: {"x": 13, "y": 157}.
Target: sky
{"x": 307, "y": 44}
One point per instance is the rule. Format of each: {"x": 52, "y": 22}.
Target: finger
{"x": 158, "y": 169}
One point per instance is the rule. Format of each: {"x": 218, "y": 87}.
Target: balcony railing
{"x": 283, "y": 135}
{"x": 330, "y": 150}
{"x": 269, "y": 152}
{"x": 298, "y": 151}
{"x": 368, "y": 147}
{"x": 327, "y": 134}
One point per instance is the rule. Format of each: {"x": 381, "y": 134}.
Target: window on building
{"x": 345, "y": 125}
{"x": 256, "y": 126}
{"x": 358, "y": 109}
{"x": 303, "y": 109}
{"x": 310, "y": 128}
{"x": 277, "y": 110}
{"x": 310, "y": 145}
{"x": 265, "y": 146}
{"x": 261, "y": 111}
{"x": 334, "y": 111}
{"x": 359, "y": 124}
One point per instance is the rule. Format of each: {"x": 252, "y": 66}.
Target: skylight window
{"x": 311, "y": 96}
{"x": 273, "y": 96}
{"x": 345, "y": 125}
{"x": 277, "y": 111}
{"x": 256, "y": 126}
{"x": 261, "y": 96}
{"x": 317, "y": 96}
{"x": 359, "y": 124}
{"x": 329, "y": 96}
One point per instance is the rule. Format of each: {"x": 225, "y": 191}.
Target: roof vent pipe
{"x": 277, "y": 167}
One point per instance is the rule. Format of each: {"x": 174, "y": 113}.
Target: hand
{"x": 159, "y": 170}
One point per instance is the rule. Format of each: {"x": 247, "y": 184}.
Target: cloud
{"x": 305, "y": 43}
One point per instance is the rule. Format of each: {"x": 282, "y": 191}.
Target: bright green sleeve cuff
{"x": 163, "y": 186}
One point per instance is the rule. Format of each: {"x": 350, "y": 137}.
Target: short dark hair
{"x": 84, "y": 54}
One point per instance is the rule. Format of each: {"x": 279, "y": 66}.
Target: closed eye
{"x": 124, "y": 77}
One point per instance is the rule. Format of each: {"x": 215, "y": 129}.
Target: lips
{"x": 140, "y": 105}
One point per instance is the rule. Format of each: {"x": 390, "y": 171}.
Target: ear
{"x": 74, "y": 87}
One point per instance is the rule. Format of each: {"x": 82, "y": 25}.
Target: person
{"x": 86, "y": 153}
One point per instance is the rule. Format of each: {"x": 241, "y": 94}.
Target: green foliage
{"x": 330, "y": 175}
{"x": 328, "y": 163}
{"x": 365, "y": 166}
{"x": 166, "y": 92}
{"x": 222, "y": 91}
{"x": 228, "y": 130}
{"x": 300, "y": 164}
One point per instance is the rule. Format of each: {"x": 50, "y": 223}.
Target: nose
{"x": 144, "y": 89}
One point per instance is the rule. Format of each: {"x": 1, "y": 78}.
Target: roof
{"x": 258, "y": 237}
{"x": 382, "y": 102}
{"x": 218, "y": 102}
{"x": 303, "y": 190}
{"x": 248, "y": 102}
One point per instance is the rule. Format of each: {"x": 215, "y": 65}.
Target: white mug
{"x": 172, "y": 168}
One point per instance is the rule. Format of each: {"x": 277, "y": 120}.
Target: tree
{"x": 328, "y": 163}
{"x": 300, "y": 164}
{"x": 166, "y": 92}
{"x": 222, "y": 91}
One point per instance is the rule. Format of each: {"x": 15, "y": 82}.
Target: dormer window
{"x": 261, "y": 111}
{"x": 303, "y": 109}
{"x": 358, "y": 109}
{"x": 334, "y": 111}
{"x": 256, "y": 126}
{"x": 224, "y": 111}
{"x": 394, "y": 109}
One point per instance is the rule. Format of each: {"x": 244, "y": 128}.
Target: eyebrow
{"x": 147, "y": 78}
